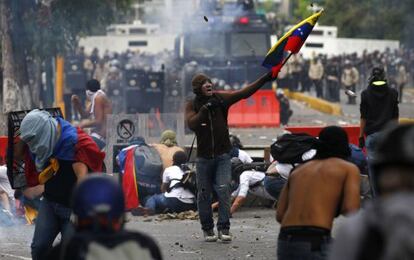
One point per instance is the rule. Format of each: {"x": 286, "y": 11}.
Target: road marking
{"x": 16, "y": 256}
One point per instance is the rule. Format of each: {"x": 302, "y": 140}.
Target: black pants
{"x": 351, "y": 99}
{"x": 318, "y": 87}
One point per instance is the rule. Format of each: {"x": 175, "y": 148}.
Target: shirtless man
{"x": 96, "y": 113}
{"x": 317, "y": 192}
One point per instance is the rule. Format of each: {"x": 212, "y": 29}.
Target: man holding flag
{"x": 206, "y": 115}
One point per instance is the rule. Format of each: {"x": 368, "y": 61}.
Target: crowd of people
{"x": 311, "y": 188}
{"x": 322, "y": 76}
{"x": 328, "y": 75}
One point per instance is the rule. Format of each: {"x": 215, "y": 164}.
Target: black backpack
{"x": 289, "y": 148}
{"x": 188, "y": 181}
{"x": 238, "y": 167}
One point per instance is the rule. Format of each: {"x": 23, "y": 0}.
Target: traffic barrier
{"x": 315, "y": 103}
{"x": 261, "y": 109}
{"x": 351, "y": 130}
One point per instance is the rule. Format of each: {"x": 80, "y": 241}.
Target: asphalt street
{"x": 254, "y": 231}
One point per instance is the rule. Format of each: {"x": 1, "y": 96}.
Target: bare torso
{"x": 317, "y": 192}
{"x": 102, "y": 109}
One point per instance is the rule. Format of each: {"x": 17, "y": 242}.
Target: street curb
{"x": 316, "y": 103}
{"x": 405, "y": 120}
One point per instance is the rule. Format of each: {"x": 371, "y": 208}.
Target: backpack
{"x": 148, "y": 166}
{"x": 289, "y": 148}
{"x": 188, "y": 181}
{"x": 238, "y": 167}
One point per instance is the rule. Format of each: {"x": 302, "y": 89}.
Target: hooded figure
{"x": 379, "y": 107}
{"x": 379, "y": 103}
{"x": 63, "y": 155}
{"x": 169, "y": 138}
{"x": 167, "y": 147}
{"x": 39, "y": 130}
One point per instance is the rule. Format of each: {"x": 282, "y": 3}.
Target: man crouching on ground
{"x": 314, "y": 195}
{"x": 206, "y": 115}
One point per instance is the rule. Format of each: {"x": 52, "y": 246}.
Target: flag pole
{"x": 284, "y": 62}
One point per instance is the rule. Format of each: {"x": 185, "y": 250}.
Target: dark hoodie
{"x": 379, "y": 106}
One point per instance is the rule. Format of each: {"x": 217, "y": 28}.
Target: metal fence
{"x": 122, "y": 128}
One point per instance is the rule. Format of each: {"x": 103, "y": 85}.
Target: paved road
{"x": 255, "y": 232}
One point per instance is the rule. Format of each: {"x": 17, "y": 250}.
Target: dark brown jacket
{"x": 211, "y": 127}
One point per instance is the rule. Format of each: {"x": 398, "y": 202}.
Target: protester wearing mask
{"x": 206, "y": 115}
{"x": 379, "y": 106}
{"x": 167, "y": 147}
{"x": 63, "y": 155}
{"x": 96, "y": 113}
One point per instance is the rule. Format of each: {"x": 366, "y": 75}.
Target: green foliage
{"x": 56, "y": 29}
{"x": 379, "y": 19}
{"x": 301, "y": 9}
{"x": 266, "y": 7}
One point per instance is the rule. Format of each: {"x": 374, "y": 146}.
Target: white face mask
{"x": 89, "y": 94}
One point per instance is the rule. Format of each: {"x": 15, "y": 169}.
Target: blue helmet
{"x": 98, "y": 196}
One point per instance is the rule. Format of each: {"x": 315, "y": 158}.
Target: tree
{"x": 16, "y": 92}
{"x": 377, "y": 19}
{"x": 40, "y": 30}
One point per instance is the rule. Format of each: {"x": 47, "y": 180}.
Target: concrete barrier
{"x": 316, "y": 103}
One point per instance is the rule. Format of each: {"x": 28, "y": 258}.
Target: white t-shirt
{"x": 284, "y": 169}
{"x": 244, "y": 157}
{"x": 4, "y": 182}
{"x": 170, "y": 174}
{"x": 249, "y": 178}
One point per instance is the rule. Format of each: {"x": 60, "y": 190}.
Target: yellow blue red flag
{"x": 289, "y": 44}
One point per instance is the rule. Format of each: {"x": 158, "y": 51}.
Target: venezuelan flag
{"x": 289, "y": 44}
{"x": 129, "y": 180}
{"x": 73, "y": 145}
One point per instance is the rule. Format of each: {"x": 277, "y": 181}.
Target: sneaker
{"x": 224, "y": 235}
{"x": 209, "y": 236}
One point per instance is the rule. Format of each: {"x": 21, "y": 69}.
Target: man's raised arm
{"x": 247, "y": 91}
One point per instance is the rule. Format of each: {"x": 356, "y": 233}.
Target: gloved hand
{"x": 212, "y": 103}
{"x": 361, "y": 142}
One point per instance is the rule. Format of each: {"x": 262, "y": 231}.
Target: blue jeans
{"x": 161, "y": 204}
{"x": 145, "y": 192}
{"x": 214, "y": 174}
{"x": 371, "y": 143}
{"x": 301, "y": 250}
{"x": 53, "y": 218}
{"x": 274, "y": 185}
